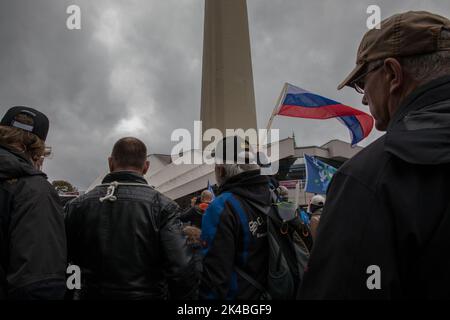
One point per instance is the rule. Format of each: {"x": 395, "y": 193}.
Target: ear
{"x": 394, "y": 74}
{"x": 37, "y": 162}
{"x": 111, "y": 164}
{"x": 220, "y": 171}
{"x": 146, "y": 167}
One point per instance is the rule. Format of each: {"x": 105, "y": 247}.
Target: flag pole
{"x": 297, "y": 194}
{"x": 274, "y": 113}
{"x": 277, "y": 106}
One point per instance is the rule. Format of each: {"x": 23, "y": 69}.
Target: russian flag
{"x": 300, "y": 103}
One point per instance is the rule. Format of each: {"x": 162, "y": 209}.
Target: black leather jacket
{"x": 129, "y": 245}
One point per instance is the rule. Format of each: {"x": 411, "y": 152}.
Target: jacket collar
{"x": 420, "y": 131}
{"x": 124, "y": 176}
{"x": 15, "y": 153}
{"x": 432, "y": 92}
{"x": 249, "y": 185}
{"x": 16, "y": 165}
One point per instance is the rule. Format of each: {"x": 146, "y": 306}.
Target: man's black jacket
{"x": 129, "y": 246}
{"x": 389, "y": 207}
{"x": 32, "y": 235}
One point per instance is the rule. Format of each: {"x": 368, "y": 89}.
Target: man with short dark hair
{"x": 126, "y": 237}
{"x": 129, "y": 153}
{"x": 385, "y": 229}
{"x": 32, "y": 236}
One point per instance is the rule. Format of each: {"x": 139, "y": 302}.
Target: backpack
{"x": 288, "y": 254}
{"x": 5, "y": 216}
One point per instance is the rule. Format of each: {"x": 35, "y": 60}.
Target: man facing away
{"x": 32, "y": 236}
{"x": 126, "y": 237}
{"x": 234, "y": 229}
{"x": 385, "y": 229}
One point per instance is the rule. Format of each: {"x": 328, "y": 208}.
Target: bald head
{"x": 129, "y": 154}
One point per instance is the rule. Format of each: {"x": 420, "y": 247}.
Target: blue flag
{"x": 210, "y": 189}
{"x": 318, "y": 175}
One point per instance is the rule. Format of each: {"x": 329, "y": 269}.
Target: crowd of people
{"x": 387, "y": 207}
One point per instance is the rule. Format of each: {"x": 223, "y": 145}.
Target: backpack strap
{"x": 284, "y": 228}
{"x": 265, "y": 295}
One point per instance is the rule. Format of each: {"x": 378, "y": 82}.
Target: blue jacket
{"x": 234, "y": 234}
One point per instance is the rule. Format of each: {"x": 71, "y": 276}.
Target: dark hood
{"x": 250, "y": 185}
{"x": 14, "y": 165}
{"x": 420, "y": 131}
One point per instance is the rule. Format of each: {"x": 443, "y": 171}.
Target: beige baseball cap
{"x": 405, "y": 34}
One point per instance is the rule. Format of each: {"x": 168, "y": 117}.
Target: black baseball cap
{"x": 233, "y": 149}
{"x": 40, "y": 121}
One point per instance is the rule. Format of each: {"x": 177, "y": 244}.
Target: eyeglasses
{"x": 48, "y": 152}
{"x": 358, "y": 83}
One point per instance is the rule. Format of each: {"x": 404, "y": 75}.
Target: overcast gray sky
{"x": 135, "y": 68}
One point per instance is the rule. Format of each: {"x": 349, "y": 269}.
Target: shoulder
{"x": 93, "y": 194}
{"x": 165, "y": 202}
{"x": 218, "y": 205}
{"x": 33, "y": 187}
{"x": 368, "y": 165}
{"x": 34, "y": 198}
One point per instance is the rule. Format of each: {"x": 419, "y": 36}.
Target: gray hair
{"x": 234, "y": 169}
{"x": 426, "y": 67}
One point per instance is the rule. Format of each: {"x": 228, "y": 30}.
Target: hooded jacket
{"x": 234, "y": 233}
{"x": 385, "y": 229}
{"x": 32, "y": 235}
{"x": 131, "y": 245}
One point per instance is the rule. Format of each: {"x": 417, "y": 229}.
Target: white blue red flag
{"x": 300, "y": 103}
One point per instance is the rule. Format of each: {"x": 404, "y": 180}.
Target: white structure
{"x": 228, "y": 98}
{"x": 177, "y": 181}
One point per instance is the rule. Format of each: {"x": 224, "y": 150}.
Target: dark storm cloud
{"x": 63, "y": 74}
{"x": 135, "y": 68}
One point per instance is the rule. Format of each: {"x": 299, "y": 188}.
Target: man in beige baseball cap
{"x": 385, "y": 228}
{"x": 401, "y": 37}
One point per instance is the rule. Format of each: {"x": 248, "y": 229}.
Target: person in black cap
{"x": 32, "y": 234}
{"x": 233, "y": 229}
